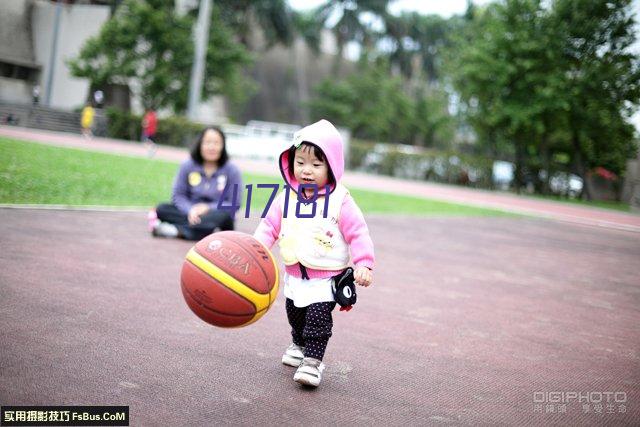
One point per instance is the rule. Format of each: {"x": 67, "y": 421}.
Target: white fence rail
{"x": 264, "y": 140}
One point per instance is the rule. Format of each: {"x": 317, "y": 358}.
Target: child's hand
{"x": 362, "y": 276}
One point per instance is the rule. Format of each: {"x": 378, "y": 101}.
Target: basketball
{"x": 229, "y": 279}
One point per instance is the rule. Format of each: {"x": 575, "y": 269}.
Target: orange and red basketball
{"x": 229, "y": 279}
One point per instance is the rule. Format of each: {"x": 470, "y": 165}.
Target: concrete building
{"x": 285, "y": 77}
{"x": 26, "y": 43}
{"x": 19, "y": 70}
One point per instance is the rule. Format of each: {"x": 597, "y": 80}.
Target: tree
{"x": 602, "y": 82}
{"x": 309, "y": 27}
{"x": 502, "y": 74}
{"x": 419, "y": 40}
{"x": 551, "y": 82}
{"x": 385, "y": 115}
{"x": 149, "y": 47}
{"x": 272, "y": 17}
{"x": 432, "y": 125}
{"x": 375, "y": 105}
{"x": 353, "y": 22}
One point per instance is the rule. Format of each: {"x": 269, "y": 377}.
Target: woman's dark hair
{"x": 196, "y": 155}
{"x": 317, "y": 151}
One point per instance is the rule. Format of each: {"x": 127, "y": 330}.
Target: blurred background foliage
{"x": 547, "y": 85}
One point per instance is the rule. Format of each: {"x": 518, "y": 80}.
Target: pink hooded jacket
{"x": 351, "y": 221}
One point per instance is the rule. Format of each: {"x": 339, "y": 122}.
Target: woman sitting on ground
{"x": 197, "y": 189}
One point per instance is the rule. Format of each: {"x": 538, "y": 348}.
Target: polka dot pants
{"x": 311, "y": 326}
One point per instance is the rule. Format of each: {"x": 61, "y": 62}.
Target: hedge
{"x": 388, "y": 159}
{"x": 421, "y": 164}
{"x": 174, "y": 130}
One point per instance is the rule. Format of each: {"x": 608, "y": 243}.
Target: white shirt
{"x": 304, "y": 292}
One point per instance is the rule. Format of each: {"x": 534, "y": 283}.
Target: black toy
{"x": 344, "y": 289}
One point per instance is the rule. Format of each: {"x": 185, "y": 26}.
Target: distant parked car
{"x": 374, "y": 159}
{"x": 502, "y": 174}
{"x": 565, "y": 184}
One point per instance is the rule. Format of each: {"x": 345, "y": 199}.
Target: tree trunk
{"x": 493, "y": 152}
{"x": 580, "y": 166}
{"x": 337, "y": 63}
{"x": 635, "y": 188}
{"x": 519, "y": 163}
{"x": 302, "y": 110}
{"x": 546, "y": 162}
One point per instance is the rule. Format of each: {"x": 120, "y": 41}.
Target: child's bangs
{"x": 317, "y": 151}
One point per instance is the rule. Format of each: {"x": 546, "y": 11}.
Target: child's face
{"x": 308, "y": 169}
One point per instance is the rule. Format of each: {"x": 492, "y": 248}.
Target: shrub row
{"x": 422, "y": 164}
{"x": 389, "y": 159}
{"x": 175, "y": 130}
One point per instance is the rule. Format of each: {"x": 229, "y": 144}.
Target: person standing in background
{"x": 98, "y": 97}
{"x": 86, "y": 120}
{"x": 149, "y": 130}
{"x": 35, "y": 92}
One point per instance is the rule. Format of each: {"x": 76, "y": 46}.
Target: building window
{"x": 19, "y": 72}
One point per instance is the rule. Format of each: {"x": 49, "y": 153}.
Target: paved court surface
{"x": 469, "y": 322}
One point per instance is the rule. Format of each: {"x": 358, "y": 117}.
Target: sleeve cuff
{"x": 367, "y": 264}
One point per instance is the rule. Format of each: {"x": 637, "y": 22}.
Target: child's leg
{"x": 317, "y": 329}
{"x": 296, "y": 316}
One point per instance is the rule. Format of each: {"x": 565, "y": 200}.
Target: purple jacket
{"x": 192, "y": 186}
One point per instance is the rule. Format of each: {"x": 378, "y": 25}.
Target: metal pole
{"x": 54, "y": 53}
{"x": 197, "y": 69}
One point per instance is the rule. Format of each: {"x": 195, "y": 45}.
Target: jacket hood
{"x": 324, "y": 135}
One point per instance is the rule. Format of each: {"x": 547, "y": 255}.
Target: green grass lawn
{"x": 32, "y": 173}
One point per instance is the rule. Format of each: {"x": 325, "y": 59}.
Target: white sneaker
{"x": 309, "y": 372}
{"x": 293, "y": 355}
{"x": 165, "y": 229}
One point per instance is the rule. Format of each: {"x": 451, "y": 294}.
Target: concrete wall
{"x": 16, "y": 46}
{"x": 12, "y": 90}
{"x": 77, "y": 23}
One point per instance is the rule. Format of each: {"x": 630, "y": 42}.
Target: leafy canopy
{"x": 149, "y": 47}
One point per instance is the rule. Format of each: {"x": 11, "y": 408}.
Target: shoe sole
{"x": 306, "y": 379}
{"x": 157, "y": 232}
{"x": 154, "y": 233}
{"x": 291, "y": 361}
